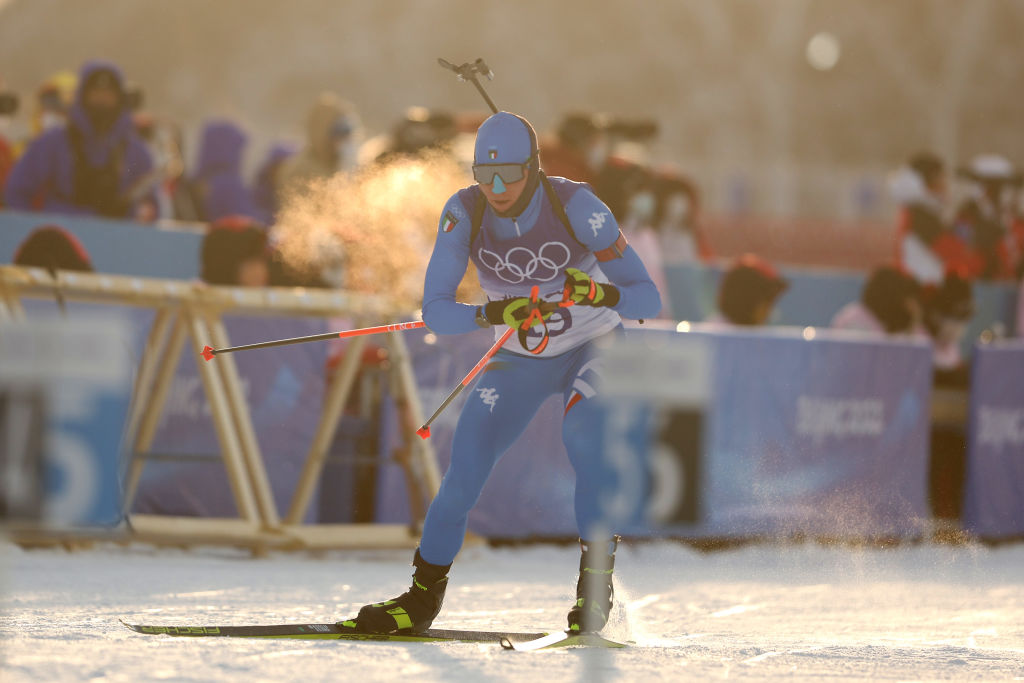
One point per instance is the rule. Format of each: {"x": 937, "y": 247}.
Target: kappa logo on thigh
{"x": 489, "y": 396}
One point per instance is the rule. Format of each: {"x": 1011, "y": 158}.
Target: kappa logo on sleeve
{"x": 597, "y": 220}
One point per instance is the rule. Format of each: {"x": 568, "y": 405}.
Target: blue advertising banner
{"x": 994, "y": 491}
{"x": 115, "y": 247}
{"x": 824, "y": 436}
{"x": 66, "y": 375}
{"x": 284, "y": 388}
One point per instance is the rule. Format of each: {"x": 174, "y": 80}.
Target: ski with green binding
{"x": 342, "y": 631}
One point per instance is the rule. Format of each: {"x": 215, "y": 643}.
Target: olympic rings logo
{"x": 520, "y": 263}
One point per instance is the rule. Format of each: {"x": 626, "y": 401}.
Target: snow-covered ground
{"x": 799, "y": 612}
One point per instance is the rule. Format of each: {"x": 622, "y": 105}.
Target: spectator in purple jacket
{"x": 266, "y": 186}
{"x": 217, "y": 183}
{"x": 95, "y": 164}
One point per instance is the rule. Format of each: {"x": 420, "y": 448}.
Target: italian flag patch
{"x": 448, "y": 222}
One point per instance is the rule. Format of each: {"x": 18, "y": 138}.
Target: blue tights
{"x": 504, "y": 400}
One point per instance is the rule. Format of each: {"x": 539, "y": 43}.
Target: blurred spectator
{"x": 266, "y": 186}
{"x": 579, "y": 150}
{"x": 986, "y": 223}
{"x": 462, "y": 145}
{"x": 332, "y": 143}
{"x": 95, "y": 164}
{"x": 420, "y": 130}
{"x": 947, "y": 311}
{"x": 164, "y": 140}
{"x": 53, "y": 102}
{"x": 635, "y": 204}
{"x": 748, "y": 292}
{"x": 1020, "y": 309}
{"x": 628, "y": 190}
{"x": 8, "y": 107}
{"x": 169, "y": 143}
{"x": 234, "y": 253}
{"x": 167, "y": 161}
{"x": 677, "y": 219}
{"x": 921, "y": 188}
{"x": 53, "y": 248}
{"x": 217, "y": 187}
{"x": 890, "y": 303}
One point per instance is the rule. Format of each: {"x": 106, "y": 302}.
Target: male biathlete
{"x": 523, "y": 230}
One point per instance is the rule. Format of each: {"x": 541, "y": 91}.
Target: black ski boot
{"x": 414, "y": 610}
{"x": 594, "y": 590}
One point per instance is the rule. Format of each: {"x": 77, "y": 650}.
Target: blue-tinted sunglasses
{"x": 509, "y": 173}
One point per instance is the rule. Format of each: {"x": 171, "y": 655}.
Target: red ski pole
{"x": 208, "y": 353}
{"x": 424, "y": 431}
{"x": 537, "y": 307}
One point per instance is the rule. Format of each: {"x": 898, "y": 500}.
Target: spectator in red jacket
{"x": 921, "y": 187}
{"x": 986, "y": 223}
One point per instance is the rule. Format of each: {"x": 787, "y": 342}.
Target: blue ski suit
{"x": 511, "y": 256}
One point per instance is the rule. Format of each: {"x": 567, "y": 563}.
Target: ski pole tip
{"x": 208, "y": 353}
{"x": 423, "y": 432}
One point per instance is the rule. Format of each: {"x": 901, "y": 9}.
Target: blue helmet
{"x": 505, "y": 138}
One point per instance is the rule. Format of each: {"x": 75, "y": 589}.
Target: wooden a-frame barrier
{"x": 189, "y": 316}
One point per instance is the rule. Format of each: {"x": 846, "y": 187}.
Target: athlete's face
{"x": 504, "y": 200}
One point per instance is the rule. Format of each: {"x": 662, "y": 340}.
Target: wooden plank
{"x": 196, "y": 529}
{"x": 153, "y": 292}
{"x": 146, "y": 375}
{"x": 334, "y": 402}
{"x": 324, "y": 536}
{"x": 223, "y": 422}
{"x": 423, "y": 451}
{"x": 228, "y": 370}
{"x": 152, "y": 408}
